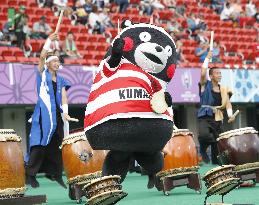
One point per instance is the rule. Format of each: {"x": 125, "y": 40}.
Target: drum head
{"x": 223, "y": 187}
{"x": 241, "y": 131}
{"x": 247, "y": 167}
{"x": 98, "y": 180}
{"x": 9, "y": 135}
{"x": 72, "y": 138}
{"x": 182, "y": 132}
{"x": 177, "y": 172}
{"x": 107, "y": 198}
{"x": 218, "y": 169}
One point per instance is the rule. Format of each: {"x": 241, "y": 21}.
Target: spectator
{"x": 123, "y": 5}
{"x": 95, "y": 21}
{"x": 26, "y": 29}
{"x": 88, "y": 6}
{"x": 227, "y": 12}
{"x": 217, "y": 5}
{"x": 105, "y": 18}
{"x": 41, "y": 30}
{"x": 175, "y": 28}
{"x": 19, "y": 22}
{"x": 8, "y": 31}
{"x": 195, "y": 22}
{"x": 4, "y": 40}
{"x": 69, "y": 47}
{"x": 181, "y": 10}
{"x": 81, "y": 13}
{"x": 101, "y": 3}
{"x": 148, "y": 6}
{"x": 180, "y": 57}
{"x": 237, "y": 9}
{"x": 216, "y": 53}
{"x": 250, "y": 8}
{"x": 157, "y": 5}
{"x": 201, "y": 36}
{"x": 202, "y": 51}
{"x": 43, "y": 3}
{"x": 170, "y": 3}
{"x": 61, "y": 4}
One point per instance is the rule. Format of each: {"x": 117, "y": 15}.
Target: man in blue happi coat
{"x": 49, "y": 116}
{"x": 214, "y": 99}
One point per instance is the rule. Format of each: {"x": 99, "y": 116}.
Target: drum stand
{"x": 222, "y": 195}
{"x": 249, "y": 175}
{"x": 25, "y": 200}
{"x": 75, "y": 192}
{"x": 192, "y": 180}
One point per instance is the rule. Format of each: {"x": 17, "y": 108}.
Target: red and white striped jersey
{"x": 123, "y": 92}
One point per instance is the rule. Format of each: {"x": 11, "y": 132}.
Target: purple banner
{"x": 18, "y": 83}
{"x": 184, "y": 86}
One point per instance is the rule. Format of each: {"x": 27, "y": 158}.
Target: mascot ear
{"x": 126, "y": 23}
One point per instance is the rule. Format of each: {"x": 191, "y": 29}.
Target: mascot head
{"x": 149, "y": 47}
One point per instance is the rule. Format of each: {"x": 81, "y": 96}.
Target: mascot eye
{"x": 145, "y": 36}
{"x": 168, "y": 50}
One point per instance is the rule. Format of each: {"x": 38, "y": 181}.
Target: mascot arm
{"x": 168, "y": 99}
{"x": 160, "y": 100}
{"x": 116, "y": 54}
{"x": 112, "y": 63}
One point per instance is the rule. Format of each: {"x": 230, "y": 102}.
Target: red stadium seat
{"x": 99, "y": 57}
{"x": 82, "y": 38}
{"x": 7, "y": 53}
{"x": 10, "y": 58}
{"x": 12, "y": 3}
{"x": 88, "y": 56}
{"x": 165, "y": 15}
{"x": 18, "y": 53}
{"x": 22, "y": 59}
{"x": 93, "y": 62}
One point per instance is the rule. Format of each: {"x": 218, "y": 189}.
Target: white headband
{"x": 52, "y": 58}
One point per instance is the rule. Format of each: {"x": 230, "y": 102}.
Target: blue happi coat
{"x": 44, "y": 121}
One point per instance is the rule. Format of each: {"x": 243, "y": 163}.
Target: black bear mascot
{"x": 127, "y": 111}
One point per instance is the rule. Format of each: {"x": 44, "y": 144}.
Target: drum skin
{"x": 180, "y": 152}
{"x": 241, "y": 149}
{"x": 12, "y": 172}
{"x": 74, "y": 166}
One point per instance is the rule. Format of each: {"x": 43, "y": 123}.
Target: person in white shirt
{"x": 250, "y": 8}
{"x": 41, "y": 29}
{"x": 227, "y": 12}
{"x": 95, "y": 21}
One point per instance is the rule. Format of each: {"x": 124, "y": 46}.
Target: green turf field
{"x": 138, "y": 194}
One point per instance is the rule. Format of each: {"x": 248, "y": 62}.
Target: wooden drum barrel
{"x": 180, "y": 150}
{"x": 12, "y": 172}
{"x": 181, "y": 154}
{"x": 241, "y": 145}
{"x": 81, "y": 162}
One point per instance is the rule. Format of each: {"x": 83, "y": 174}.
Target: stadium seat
{"x": 9, "y": 58}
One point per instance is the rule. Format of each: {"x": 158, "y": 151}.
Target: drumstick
{"x": 73, "y": 119}
{"x": 233, "y": 116}
{"x": 236, "y": 113}
{"x": 59, "y": 21}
